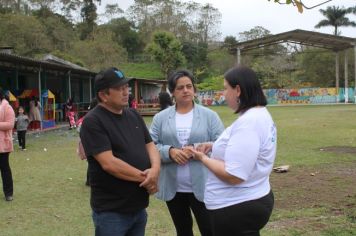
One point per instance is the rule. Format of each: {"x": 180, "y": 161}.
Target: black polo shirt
{"x": 126, "y": 135}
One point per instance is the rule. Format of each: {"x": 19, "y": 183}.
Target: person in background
{"x": 134, "y": 103}
{"x": 238, "y": 192}
{"x": 165, "y": 100}
{"x": 70, "y": 113}
{"x": 124, "y": 163}
{"x": 182, "y": 179}
{"x": 7, "y": 122}
{"x": 130, "y": 100}
{"x": 22, "y": 122}
{"x": 35, "y": 114}
{"x": 141, "y": 100}
{"x": 80, "y": 149}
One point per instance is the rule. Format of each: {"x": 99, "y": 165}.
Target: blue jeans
{"x": 117, "y": 224}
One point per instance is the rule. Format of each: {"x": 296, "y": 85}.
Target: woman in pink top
{"x": 7, "y": 122}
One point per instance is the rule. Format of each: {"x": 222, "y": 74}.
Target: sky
{"x": 242, "y": 15}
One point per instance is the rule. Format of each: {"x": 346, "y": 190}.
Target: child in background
{"x": 70, "y": 113}
{"x": 22, "y": 122}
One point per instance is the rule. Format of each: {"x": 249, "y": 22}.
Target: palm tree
{"x": 336, "y": 16}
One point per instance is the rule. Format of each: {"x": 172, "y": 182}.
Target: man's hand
{"x": 179, "y": 156}
{"x": 151, "y": 181}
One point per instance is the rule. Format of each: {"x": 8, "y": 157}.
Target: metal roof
{"x": 303, "y": 37}
{"x": 15, "y": 59}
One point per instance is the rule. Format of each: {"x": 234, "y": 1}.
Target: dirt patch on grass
{"x": 331, "y": 186}
{"x": 329, "y": 189}
{"x": 339, "y": 149}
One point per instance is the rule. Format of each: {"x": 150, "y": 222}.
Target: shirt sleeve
{"x": 94, "y": 138}
{"x": 156, "y": 131}
{"x": 9, "y": 118}
{"x": 241, "y": 152}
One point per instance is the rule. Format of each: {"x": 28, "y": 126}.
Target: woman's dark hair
{"x": 251, "y": 91}
{"x": 172, "y": 79}
{"x": 165, "y": 100}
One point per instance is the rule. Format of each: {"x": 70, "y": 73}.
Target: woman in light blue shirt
{"x": 182, "y": 179}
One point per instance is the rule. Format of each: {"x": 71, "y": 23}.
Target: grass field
{"x": 316, "y": 197}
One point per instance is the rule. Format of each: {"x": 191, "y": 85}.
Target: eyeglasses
{"x": 121, "y": 88}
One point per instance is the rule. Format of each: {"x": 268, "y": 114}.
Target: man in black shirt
{"x": 123, "y": 161}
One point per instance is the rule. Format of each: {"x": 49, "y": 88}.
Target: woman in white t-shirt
{"x": 238, "y": 194}
{"x": 182, "y": 179}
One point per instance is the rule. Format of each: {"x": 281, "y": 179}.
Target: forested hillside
{"x": 152, "y": 38}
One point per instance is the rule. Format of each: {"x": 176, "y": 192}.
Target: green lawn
{"x": 317, "y": 196}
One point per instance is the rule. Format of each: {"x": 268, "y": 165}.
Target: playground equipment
{"x": 12, "y": 100}
{"x": 48, "y": 102}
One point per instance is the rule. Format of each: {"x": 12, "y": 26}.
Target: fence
{"x": 288, "y": 96}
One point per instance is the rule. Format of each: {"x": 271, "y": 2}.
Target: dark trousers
{"x": 245, "y": 219}
{"x": 21, "y": 136}
{"x": 6, "y": 175}
{"x": 180, "y": 209}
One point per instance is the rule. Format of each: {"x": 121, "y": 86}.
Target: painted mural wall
{"x": 287, "y": 96}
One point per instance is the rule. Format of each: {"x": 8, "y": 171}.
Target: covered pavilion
{"x": 334, "y": 43}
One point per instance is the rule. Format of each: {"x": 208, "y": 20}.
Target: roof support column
{"x": 17, "y": 78}
{"x": 90, "y": 90}
{"x": 40, "y": 94}
{"x": 69, "y": 87}
{"x": 238, "y": 55}
{"x": 346, "y": 85}
{"x": 337, "y": 76}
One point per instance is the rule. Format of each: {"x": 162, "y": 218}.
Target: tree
{"x": 210, "y": 18}
{"x": 13, "y": 6}
{"x": 254, "y": 33}
{"x": 299, "y": 4}
{"x": 58, "y": 29}
{"x": 336, "y": 17}
{"x": 318, "y": 67}
{"x": 166, "y": 49}
{"x": 196, "y": 55}
{"x": 126, "y": 35}
{"x": 100, "y": 51}
{"x": 353, "y": 10}
{"x": 189, "y": 21}
{"x": 230, "y": 44}
{"x": 25, "y": 33}
{"x": 219, "y": 61}
{"x": 212, "y": 83}
{"x": 275, "y": 71}
{"x": 89, "y": 15}
{"x": 113, "y": 9}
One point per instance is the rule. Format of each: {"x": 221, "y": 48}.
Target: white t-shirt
{"x": 183, "y": 127}
{"x": 248, "y": 148}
